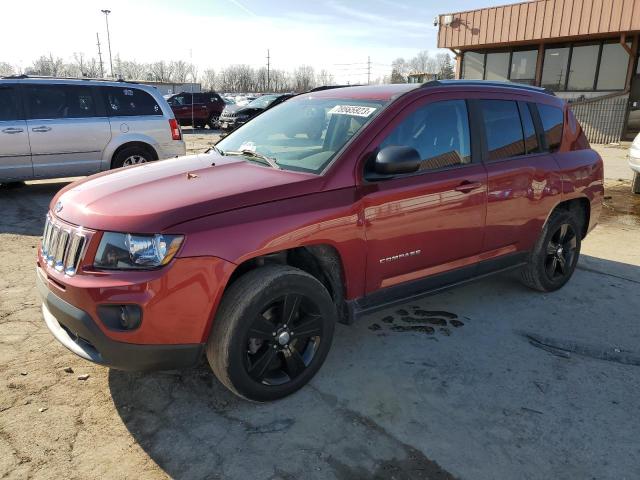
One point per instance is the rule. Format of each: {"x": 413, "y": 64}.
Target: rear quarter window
{"x": 552, "y": 119}
{"x": 129, "y": 102}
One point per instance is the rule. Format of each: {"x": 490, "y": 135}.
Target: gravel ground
{"x": 501, "y": 382}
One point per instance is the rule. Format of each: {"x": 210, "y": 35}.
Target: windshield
{"x": 303, "y": 133}
{"x": 263, "y": 101}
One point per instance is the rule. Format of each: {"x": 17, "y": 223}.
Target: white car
{"x": 634, "y": 163}
{"x": 52, "y": 128}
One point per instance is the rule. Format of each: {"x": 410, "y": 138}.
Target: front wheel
{"x": 272, "y": 332}
{"x": 213, "y": 121}
{"x": 555, "y": 255}
{"x": 635, "y": 184}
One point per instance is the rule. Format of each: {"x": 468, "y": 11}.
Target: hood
{"x": 248, "y": 110}
{"x": 151, "y": 198}
{"x": 231, "y": 108}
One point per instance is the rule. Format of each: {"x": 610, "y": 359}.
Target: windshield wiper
{"x": 250, "y": 153}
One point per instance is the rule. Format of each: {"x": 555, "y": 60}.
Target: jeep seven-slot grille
{"x": 62, "y": 247}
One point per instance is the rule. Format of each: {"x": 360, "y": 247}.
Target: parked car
{"x": 197, "y": 109}
{"x": 250, "y": 253}
{"x": 634, "y": 163}
{"x": 235, "y": 115}
{"x": 53, "y": 128}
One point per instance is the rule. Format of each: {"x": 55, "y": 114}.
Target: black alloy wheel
{"x": 561, "y": 252}
{"x": 283, "y": 340}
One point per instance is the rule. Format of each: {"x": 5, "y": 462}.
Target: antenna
{"x": 100, "y": 56}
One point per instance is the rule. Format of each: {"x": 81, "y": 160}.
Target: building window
{"x": 473, "y": 66}
{"x": 523, "y": 66}
{"x": 554, "y": 71}
{"x": 584, "y": 61}
{"x": 613, "y": 67}
{"x": 497, "y": 66}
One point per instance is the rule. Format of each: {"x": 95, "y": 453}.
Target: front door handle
{"x": 12, "y": 130}
{"x": 467, "y": 186}
{"x": 41, "y": 129}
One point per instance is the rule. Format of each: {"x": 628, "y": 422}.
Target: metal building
{"x": 584, "y": 50}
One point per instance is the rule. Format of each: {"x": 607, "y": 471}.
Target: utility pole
{"x": 100, "y": 56}
{"x": 368, "y": 70}
{"x": 268, "y": 71}
{"x": 106, "y": 19}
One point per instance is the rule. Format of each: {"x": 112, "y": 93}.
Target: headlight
{"x": 242, "y": 117}
{"x": 124, "y": 251}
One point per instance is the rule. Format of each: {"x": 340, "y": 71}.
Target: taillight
{"x": 176, "y": 134}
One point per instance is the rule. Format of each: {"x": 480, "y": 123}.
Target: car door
{"x": 15, "y": 152}
{"x": 200, "y": 110}
{"x": 523, "y": 179}
{"x": 66, "y": 131}
{"x": 181, "y": 106}
{"x": 429, "y": 223}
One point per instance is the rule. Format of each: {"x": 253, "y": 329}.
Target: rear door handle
{"x": 467, "y": 186}
{"x": 41, "y": 129}
{"x": 12, "y": 130}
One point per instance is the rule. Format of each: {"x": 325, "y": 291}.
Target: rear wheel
{"x": 635, "y": 184}
{"x": 555, "y": 256}
{"x": 272, "y": 332}
{"x": 131, "y": 156}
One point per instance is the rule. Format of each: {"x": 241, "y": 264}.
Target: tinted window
{"x": 497, "y": 66}
{"x": 503, "y": 129}
{"x": 530, "y": 137}
{"x": 552, "y": 120}
{"x": 59, "y": 101}
{"x": 582, "y": 73}
{"x": 439, "y": 131}
{"x": 554, "y": 70}
{"x": 523, "y": 66}
{"x": 613, "y": 67}
{"x": 8, "y": 104}
{"x": 473, "y": 66}
{"x": 127, "y": 101}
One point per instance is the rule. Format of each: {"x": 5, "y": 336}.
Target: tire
{"x": 635, "y": 183}
{"x": 131, "y": 156}
{"x": 555, "y": 256}
{"x": 268, "y": 367}
{"x": 213, "y": 121}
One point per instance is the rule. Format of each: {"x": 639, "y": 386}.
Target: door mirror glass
{"x": 395, "y": 159}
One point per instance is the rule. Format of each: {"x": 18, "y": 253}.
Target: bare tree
{"x": 444, "y": 67}
{"x": 399, "y": 70}
{"x": 6, "y": 69}
{"x": 208, "y": 79}
{"x": 324, "y": 77}
{"x": 160, "y": 71}
{"x": 47, "y": 66}
{"x": 179, "y": 71}
{"x": 304, "y": 77}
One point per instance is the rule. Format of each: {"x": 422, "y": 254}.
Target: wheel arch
{"x": 581, "y": 207}
{"x": 143, "y": 145}
{"x": 322, "y": 261}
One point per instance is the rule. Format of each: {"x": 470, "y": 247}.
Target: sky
{"x": 336, "y": 35}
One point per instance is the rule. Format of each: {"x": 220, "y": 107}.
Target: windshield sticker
{"x": 249, "y": 146}
{"x": 355, "y": 110}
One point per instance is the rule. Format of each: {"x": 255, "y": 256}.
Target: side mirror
{"x": 396, "y": 159}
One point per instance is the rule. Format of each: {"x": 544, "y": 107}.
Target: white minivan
{"x": 53, "y": 128}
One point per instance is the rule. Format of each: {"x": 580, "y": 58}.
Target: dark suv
{"x": 253, "y": 251}
{"x": 233, "y": 116}
{"x": 197, "y": 109}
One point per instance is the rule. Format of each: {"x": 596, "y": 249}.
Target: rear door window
{"x": 128, "y": 102}
{"x": 8, "y": 103}
{"x": 503, "y": 129}
{"x": 439, "y": 131}
{"x": 552, "y": 119}
{"x": 59, "y": 101}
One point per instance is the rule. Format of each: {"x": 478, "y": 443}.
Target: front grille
{"x": 62, "y": 247}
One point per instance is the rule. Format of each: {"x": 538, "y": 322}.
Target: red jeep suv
{"x": 251, "y": 252}
{"x": 197, "y": 109}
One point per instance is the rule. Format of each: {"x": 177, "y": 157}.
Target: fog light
{"x": 120, "y": 317}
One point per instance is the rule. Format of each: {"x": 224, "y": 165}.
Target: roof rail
{"x": 329, "y": 87}
{"x": 488, "y": 83}
{"x": 87, "y": 79}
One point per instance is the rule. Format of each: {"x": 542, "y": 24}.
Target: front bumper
{"x": 230, "y": 123}
{"x": 77, "y": 331}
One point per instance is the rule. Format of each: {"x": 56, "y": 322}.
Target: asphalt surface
{"x": 488, "y": 381}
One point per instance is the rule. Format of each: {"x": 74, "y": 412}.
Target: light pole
{"x": 106, "y": 19}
